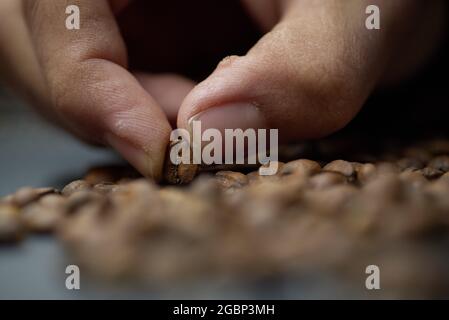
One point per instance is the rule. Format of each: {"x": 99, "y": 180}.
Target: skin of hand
{"x": 308, "y": 75}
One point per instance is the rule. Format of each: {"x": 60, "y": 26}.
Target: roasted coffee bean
{"x": 11, "y": 229}
{"x": 332, "y": 199}
{"x": 327, "y": 179}
{"x": 28, "y": 195}
{"x": 440, "y": 163}
{"x": 413, "y": 177}
{"x": 43, "y": 215}
{"x": 445, "y": 176}
{"x": 231, "y": 179}
{"x": 78, "y": 185}
{"x": 341, "y": 166}
{"x": 181, "y": 173}
{"x": 385, "y": 188}
{"x": 302, "y": 167}
{"x": 431, "y": 173}
{"x": 81, "y": 198}
{"x": 105, "y": 188}
{"x": 241, "y": 225}
{"x": 365, "y": 172}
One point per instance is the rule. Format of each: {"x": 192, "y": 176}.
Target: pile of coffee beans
{"x": 315, "y": 216}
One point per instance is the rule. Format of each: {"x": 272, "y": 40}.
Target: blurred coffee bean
{"x": 324, "y": 180}
{"x": 302, "y": 167}
{"x": 431, "y": 173}
{"x": 25, "y": 196}
{"x": 341, "y": 166}
{"x": 77, "y": 185}
{"x": 230, "y": 179}
{"x": 440, "y": 163}
{"x": 43, "y": 216}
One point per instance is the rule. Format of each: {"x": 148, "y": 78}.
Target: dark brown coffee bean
{"x": 431, "y": 173}
{"x": 440, "y": 163}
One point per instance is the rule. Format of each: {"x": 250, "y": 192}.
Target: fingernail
{"x": 231, "y": 116}
{"x": 137, "y": 157}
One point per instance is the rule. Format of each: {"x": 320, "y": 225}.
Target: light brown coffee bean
{"x": 384, "y": 188}
{"x": 11, "y": 229}
{"x": 77, "y": 185}
{"x": 105, "y": 188}
{"x": 413, "y": 177}
{"x": 324, "y": 180}
{"x": 445, "y": 177}
{"x": 365, "y": 172}
{"x": 43, "y": 216}
{"x": 301, "y": 167}
{"x": 231, "y": 179}
{"x": 331, "y": 200}
{"x": 79, "y": 199}
{"x": 27, "y": 195}
{"x": 341, "y": 166}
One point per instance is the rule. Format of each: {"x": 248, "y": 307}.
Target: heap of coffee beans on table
{"x": 389, "y": 210}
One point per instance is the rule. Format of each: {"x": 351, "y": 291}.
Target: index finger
{"x": 90, "y": 88}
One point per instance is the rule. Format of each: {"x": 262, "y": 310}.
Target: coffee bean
{"x": 413, "y": 177}
{"x": 302, "y": 167}
{"x": 44, "y": 215}
{"x": 105, "y": 188}
{"x": 431, "y": 173}
{"x": 25, "y": 196}
{"x": 440, "y": 163}
{"x": 78, "y": 185}
{"x": 230, "y": 179}
{"x": 341, "y": 166}
{"x": 327, "y": 179}
{"x": 365, "y": 172}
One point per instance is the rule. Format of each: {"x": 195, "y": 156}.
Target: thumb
{"x": 308, "y": 77}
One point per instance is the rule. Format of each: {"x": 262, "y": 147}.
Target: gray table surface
{"x": 33, "y": 153}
